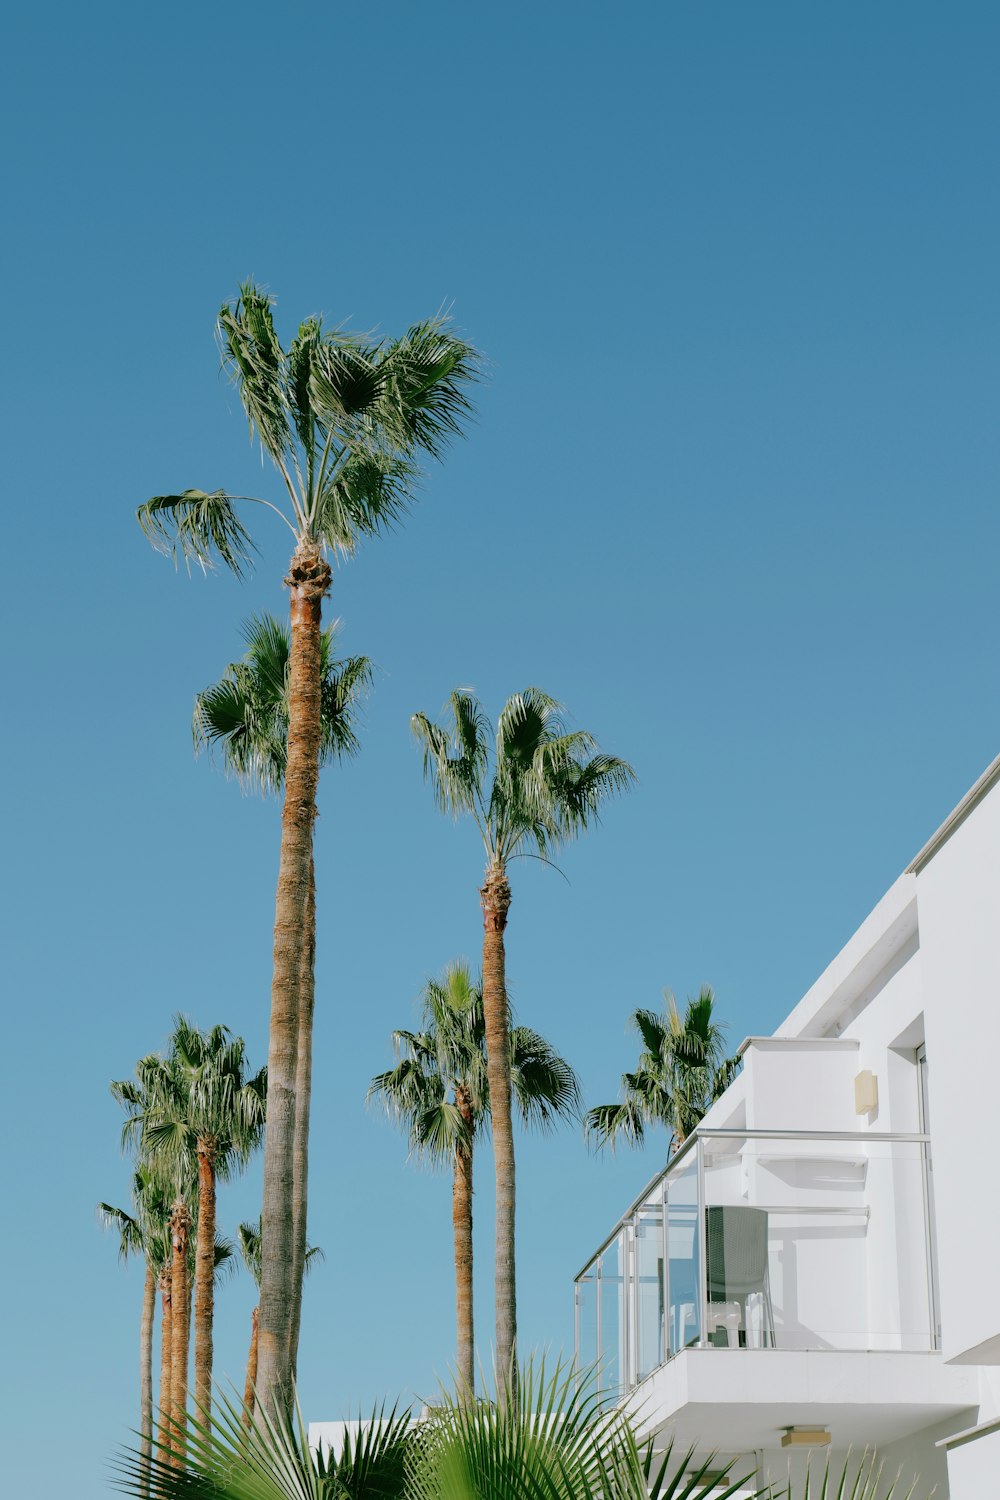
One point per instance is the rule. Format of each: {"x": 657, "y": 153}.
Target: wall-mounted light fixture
{"x": 865, "y": 1093}
{"x": 805, "y": 1437}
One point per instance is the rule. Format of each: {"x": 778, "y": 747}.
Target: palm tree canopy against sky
{"x": 682, "y": 1070}
{"x": 743, "y": 331}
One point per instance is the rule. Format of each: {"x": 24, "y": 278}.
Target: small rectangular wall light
{"x": 805, "y": 1437}
{"x": 865, "y": 1093}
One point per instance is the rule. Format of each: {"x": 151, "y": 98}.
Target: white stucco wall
{"x": 958, "y": 896}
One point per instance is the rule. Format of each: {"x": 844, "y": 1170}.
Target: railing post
{"x": 665, "y": 1335}
{"x": 702, "y": 1242}
{"x": 600, "y": 1326}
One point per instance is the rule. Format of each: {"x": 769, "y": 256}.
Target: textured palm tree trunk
{"x": 495, "y": 896}
{"x": 251, "y": 1380}
{"x": 303, "y": 1099}
{"x": 461, "y": 1223}
{"x": 146, "y": 1373}
{"x": 204, "y": 1275}
{"x": 308, "y": 580}
{"x": 180, "y": 1230}
{"x": 166, "y": 1354}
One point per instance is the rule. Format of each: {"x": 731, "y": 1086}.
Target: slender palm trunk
{"x": 180, "y": 1230}
{"x": 303, "y": 1097}
{"x": 495, "y": 896}
{"x": 308, "y": 580}
{"x": 251, "y": 1380}
{"x": 461, "y": 1223}
{"x": 166, "y": 1353}
{"x": 146, "y": 1372}
{"x": 204, "y": 1275}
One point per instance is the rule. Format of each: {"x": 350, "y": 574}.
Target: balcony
{"x": 759, "y": 1240}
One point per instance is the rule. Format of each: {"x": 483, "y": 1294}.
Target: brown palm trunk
{"x": 204, "y": 1275}
{"x": 303, "y": 1096}
{"x": 146, "y": 1373}
{"x": 166, "y": 1350}
{"x": 495, "y": 896}
{"x": 461, "y": 1223}
{"x": 180, "y": 1230}
{"x": 251, "y": 1380}
{"x": 308, "y": 580}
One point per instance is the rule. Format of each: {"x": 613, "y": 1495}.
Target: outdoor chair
{"x": 736, "y": 1270}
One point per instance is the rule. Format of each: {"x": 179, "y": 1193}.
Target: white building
{"x": 819, "y": 1267}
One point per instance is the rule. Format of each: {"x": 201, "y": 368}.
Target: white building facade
{"x": 818, "y": 1268}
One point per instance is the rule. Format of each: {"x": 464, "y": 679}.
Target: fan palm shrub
{"x": 556, "y": 1440}
{"x": 344, "y": 420}
{"x": 530, "y": 786}
{"x": 438, "y": 1093}
{"x": 245, "y": 717}
{"x": 681, "y": 1071}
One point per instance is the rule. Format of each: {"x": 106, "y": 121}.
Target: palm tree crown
{"x": 199, "y": 1091}
{"x": 342, "y": 417}
{"x": 246, "y": 712}
{"x": 547, "y": 783}
{"x": 681, "y": 1071}
{"x": 438, "y": 1089}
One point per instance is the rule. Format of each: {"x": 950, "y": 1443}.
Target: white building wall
{"x": 959, "y": 913}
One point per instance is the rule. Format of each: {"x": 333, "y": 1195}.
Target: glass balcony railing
{"x": 764, "y": 1240}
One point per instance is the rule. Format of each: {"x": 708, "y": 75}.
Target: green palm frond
{"x": 370, "y": 494}
{"x": 544, "y": 1086}
{"x": 258, "y": 1457}
{"x": 131, "y": 1240}
{"x": 256, "y": 364}
{"x": 456, "y": 759}
{"x": 198, "y": 527}
{"x": 248, "y": 1240}
{"x": 427, "y": 374}
{"x": 606, "y": 1124}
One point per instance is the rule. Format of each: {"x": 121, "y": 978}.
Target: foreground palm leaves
{"x": 554, "y": 1439}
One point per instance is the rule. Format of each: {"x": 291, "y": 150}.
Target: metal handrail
{"x": 904, "y": 1137}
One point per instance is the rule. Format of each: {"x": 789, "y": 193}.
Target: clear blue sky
{"x": 732, "y": 495}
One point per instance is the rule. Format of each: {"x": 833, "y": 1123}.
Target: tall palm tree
{"x": 198, "y": 1111}
{"x": 143, "y": 1233}
{"x": 248, "y": 1236}
{"x": 530, "y": 787}
{"x": 344, "y": 420}
{"x": 141, "y": 1097}
{"x": 245, "y": 715}
{"x": 682, "y": 1070}
{"x": 438, "y": 1092}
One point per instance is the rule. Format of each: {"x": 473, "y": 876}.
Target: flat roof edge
{"x": 956, "y": 817}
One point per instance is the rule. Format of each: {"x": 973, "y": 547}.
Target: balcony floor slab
{"x": 739, "y": 1400}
